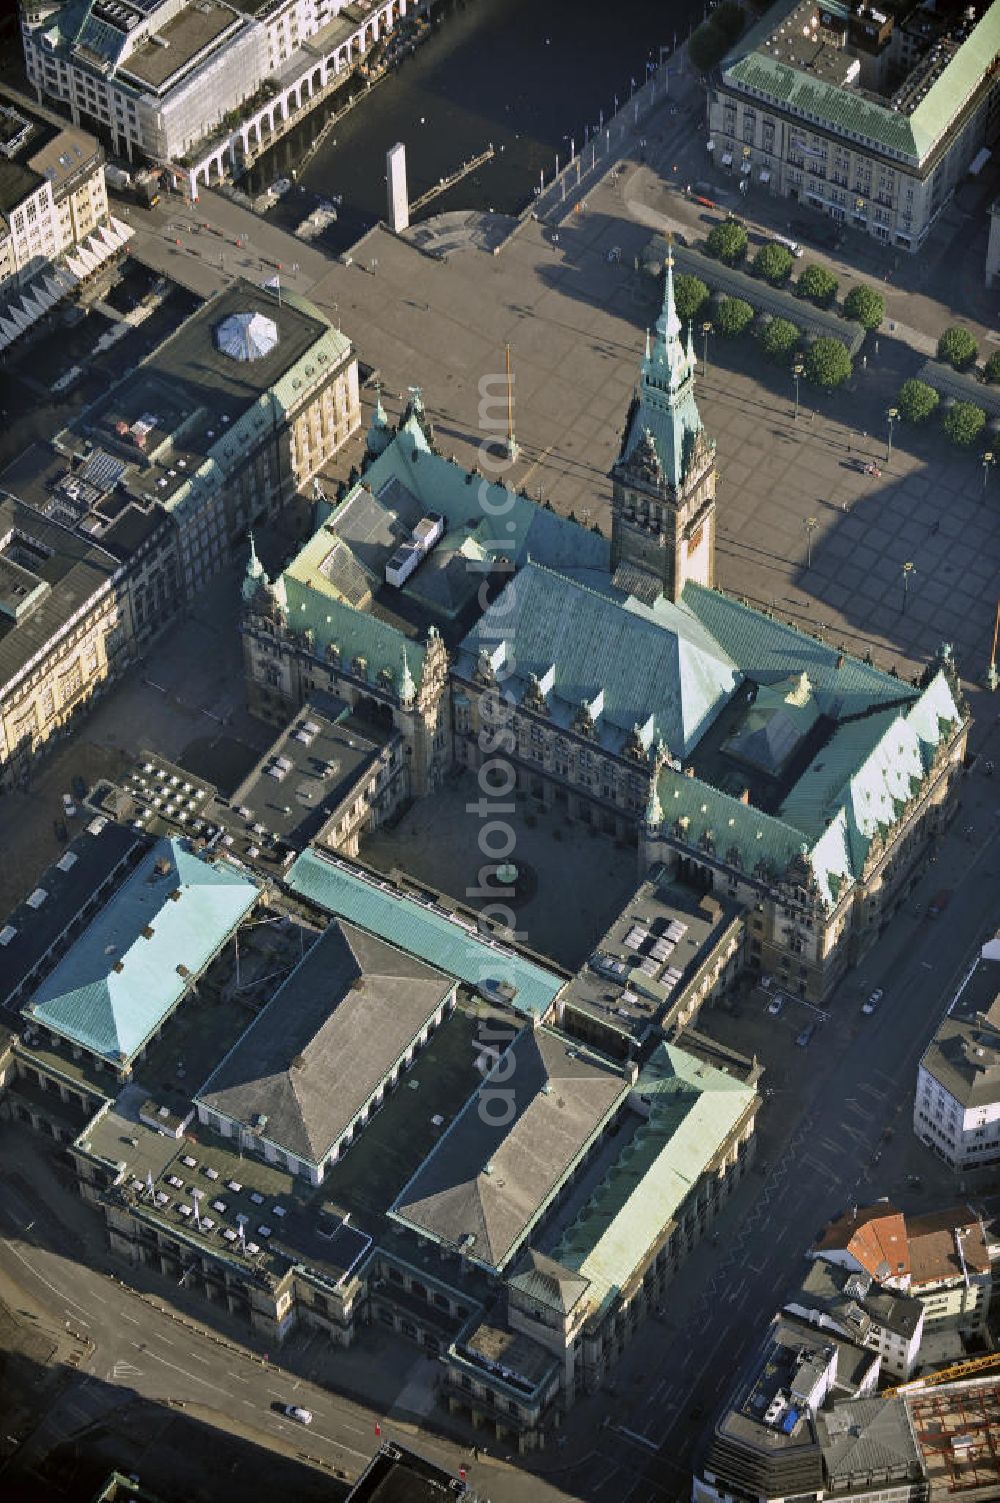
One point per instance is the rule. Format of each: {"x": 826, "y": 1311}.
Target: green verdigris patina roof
{"x": 665, "y": 422}
{"x": 484, "y": 522}
{"x": 425, "y": 931}
{"x": 767, "y": 650}
{"x": 693, "y": 1109}
{"x": 871, "y": 768}
{"x": 913, "y": 136}
{"x": 125, "y": 973}
{"x": 635, "y": 662}
{"x": 855, "y": 789}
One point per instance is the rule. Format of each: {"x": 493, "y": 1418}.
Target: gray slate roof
{"x": 550, "y": 1283}
{"x": 964, "y": 1055}
{"x": 326, "y": 1040}
{"x": 490, "y": 1178}
{"x": 865, "y": 1439}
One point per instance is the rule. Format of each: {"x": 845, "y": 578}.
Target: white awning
{"x": 727, "y": 159}
{"x": 709, "y": 145}
{"x": 765, "y": 176}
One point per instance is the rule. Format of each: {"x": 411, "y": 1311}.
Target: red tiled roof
{"x": 933, "y": 1252}
{"x": 875, "y": 1236}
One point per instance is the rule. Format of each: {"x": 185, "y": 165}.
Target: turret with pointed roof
{"x": 254, "y": 579}
{"x": 663, "y": 506}
{"x": 379, "y": 430}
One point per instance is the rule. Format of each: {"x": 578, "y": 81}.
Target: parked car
{"x": 297, "y": 1413}
{"x": 873, "y": 1001}
{"x": 79, "y": 787}
{"x": 775, "y": 1005}
{"x": 939, "y": 903}
{"x": 69, "y": 808}
{"x": 804, "y": 1037}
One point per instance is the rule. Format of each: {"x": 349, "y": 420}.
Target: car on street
{"x": 803, "y": 1039}
{"x": 939, "y": 903}
{"x": 298, "y": 1414}
{"x": 873, "y": 1001}
{"x": 69, "y": 808}
{"x": 775, "y": 1005}
{"x": 79, "y": 787}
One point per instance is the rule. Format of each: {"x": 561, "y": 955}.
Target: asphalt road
{"x": 53, "y": 1271}
{"x": 864, "y": 1075}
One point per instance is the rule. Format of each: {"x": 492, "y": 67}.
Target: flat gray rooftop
{"x": 73, "y": 569}
{"x": 305, "y": 775}
{"x": 640, "y": 970}
{"x": 191, "y": 31}
{"x": 964, "y": 1054}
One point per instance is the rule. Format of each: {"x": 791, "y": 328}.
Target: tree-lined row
{"x": 774, "y": 263}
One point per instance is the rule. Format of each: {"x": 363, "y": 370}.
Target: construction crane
{"x": 945, "y": 1375}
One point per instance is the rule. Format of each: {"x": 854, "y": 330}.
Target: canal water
{"x": 522, "y": 75}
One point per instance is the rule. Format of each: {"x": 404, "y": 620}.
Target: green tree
{"x": 706, "y": 47}
{"x": 778, "y": 338}
{"x": 865, "y": 306}
{"x": 733, "y": 317}
{"x": 690, "y": 295}
{"x": 957, "y": 347}
{"x": 773, "y": 262}
{"x": 916, "y": 400}
{"x": 991, "y": 370}
{"x": 818, "y": 285}
{"x": 727, "y": 242}
{"x": 827, "y": 363}
{"x": 964, "y": 422}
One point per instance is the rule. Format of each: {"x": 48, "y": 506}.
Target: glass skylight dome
{"x": 246, "y": 336}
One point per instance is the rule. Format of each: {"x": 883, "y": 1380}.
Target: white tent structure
{"x": 58, "y": 280}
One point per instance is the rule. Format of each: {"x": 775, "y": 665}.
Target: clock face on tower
{"x": 663, "y": 496}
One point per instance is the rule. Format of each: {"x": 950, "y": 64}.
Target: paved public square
{"x": 575, "y": 323}
{"x": 438, "y": 842}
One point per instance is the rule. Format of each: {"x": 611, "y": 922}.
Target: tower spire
{"x": 671, "y": 324}
{"x": 254, "y": 576}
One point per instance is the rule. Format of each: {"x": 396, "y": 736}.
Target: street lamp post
{"x": 890, "y": 417}
{"x": 797, "y": 370}
{"x": 706, "y": 329}
{"x": 988, "y": 459}
{"x": 909, "y": 569}
{"x": 810, "y": 524}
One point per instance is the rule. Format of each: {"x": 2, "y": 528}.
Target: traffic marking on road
{"x": 125, "y": 1370}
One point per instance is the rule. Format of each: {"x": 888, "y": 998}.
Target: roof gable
{"x": 644, "y": 662}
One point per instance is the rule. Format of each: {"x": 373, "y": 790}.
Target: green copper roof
{"x": 663, "y": 425}
{"x": 424, "y": 931}
{"x": 484, "y": 522}
{"x": 871, "y": 768}
{"x": 782, "y": 714}
{"x": 645, "y": 663}
{"x": 312, "y": 605}
{"x": 854, "y": 790}
{"x": 131, "y": 967}
{"x": 767, "y": 650}
{"x": 693, "y": 1109}
{"x": 912, "y": 136}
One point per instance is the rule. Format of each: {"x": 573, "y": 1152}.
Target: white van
{"x": 789, "y": 244}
